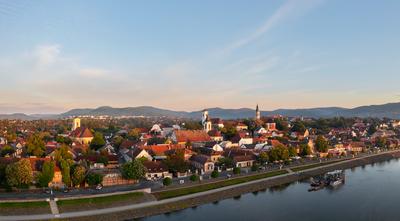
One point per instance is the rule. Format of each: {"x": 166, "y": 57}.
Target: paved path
{"x": 289, "y": 170}
{"x": 156, "y": 203}
{"x": 54, "y": 207}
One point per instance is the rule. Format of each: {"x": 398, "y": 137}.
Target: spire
{"x": 258, "y": 114}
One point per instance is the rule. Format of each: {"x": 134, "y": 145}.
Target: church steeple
{"x": 258, "y": 114}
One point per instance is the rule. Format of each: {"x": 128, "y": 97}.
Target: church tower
{"x": 258, "y": 114}
{"x": 76, "y": 124}
{"x": 206, "y": 122}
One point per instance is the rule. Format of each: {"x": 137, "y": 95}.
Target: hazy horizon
{"x": 177, "y": 55}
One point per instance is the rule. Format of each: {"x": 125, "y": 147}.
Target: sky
{"x": 191, "y": 55}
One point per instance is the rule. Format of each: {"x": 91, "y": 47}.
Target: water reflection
{"x": 370, "y": 193}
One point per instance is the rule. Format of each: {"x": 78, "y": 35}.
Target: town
{"x": 100, "y": 152}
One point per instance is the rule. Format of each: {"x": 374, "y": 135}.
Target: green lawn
{"x": 105, "y": 199}
{"x": 201, "y": 188}
{"x": 24, "y": 204}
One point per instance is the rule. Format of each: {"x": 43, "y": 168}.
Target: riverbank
{"x": 214, "y": 195}
{"x": 253, "y": 186}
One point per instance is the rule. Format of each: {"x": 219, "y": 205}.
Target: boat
{"x": 332, "y": 179}
{"x": 335, "y": 178}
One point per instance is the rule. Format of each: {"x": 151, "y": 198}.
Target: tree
{"x": 64, "y": 140}
{"x": 94, "y": 179}
{"x": 3, "y": 179}
{"x": 194, "y": 178}
{"x": 78, "y": 175}
{"x": 298, "y": 126}
{"x": 292, "y": 152}
{"x": 19, "y": 173}
{"x": 176, "y": 162}
{"x": 281, "y": 125}
{"x": 321, "y": 145}
{"x": 35, "y": 145}
{"x": 47, "y": 174}
{"x": 66, "y": 172}
{"x": 381, "y": 142}
{"x": 215, "y": 174}
{"x": 103, "y": 160}
{"x": 226, "y": 162}
{"x": 254, "y": 167}
{"x": 133, "y": 170}
{"x": 7, "y": 150}
{"x": 167, "y": 181}
{"x": 134, "y": 134}
{"x": 305, "y": 150}
{"x": 263, "y": 158}
{"x": 236, "y": 170}
{"x": 63, "y": 153}
{"x": 98, "y": 141}
{"x": 229, "y": 131}
{"x": 279, "y": 152}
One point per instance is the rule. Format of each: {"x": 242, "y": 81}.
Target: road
{"x": 152, "y": 203}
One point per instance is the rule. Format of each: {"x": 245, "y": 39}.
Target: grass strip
{"x": 105, "y": 199}
{"x": 24, "y": 204}
{"x": 205, "y": 187}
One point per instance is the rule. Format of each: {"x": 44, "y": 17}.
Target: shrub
{"x": 167, "y": 181}
{"x": 194, "y": 177}
{"x": 236, "y": 170}
{"x": 215, "y": 174}
{"x": 254, "y": 167}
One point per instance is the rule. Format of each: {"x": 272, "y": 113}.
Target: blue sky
{"x": 189, "y": 55}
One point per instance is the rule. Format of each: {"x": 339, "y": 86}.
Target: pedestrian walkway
{"x": 289, "y": 170}
{"x": 54, "y": 207}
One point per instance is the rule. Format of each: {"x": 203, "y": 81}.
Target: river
{"x": 371, "y": 192}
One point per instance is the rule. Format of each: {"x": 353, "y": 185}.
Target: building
{"x": 206, "y": 122}
{"x": 258, "y": 114}
{"x": 76, "y": 124}
{"x": 82, "y": 135}
{"x": 192, "y": 136}
{"x": 203, "y": 163}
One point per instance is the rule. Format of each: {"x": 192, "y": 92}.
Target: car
{"x": 99, "y": 187}
{"x": 65, "y": 190}
{"x": 228, "y": 176}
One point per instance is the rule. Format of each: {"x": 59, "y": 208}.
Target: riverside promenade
{"x": 181, "y": 202}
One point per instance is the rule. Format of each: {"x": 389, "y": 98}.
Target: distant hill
{"x": 391, "y": 110}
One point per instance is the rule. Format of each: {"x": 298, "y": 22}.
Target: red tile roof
{"x": 192, "y": 136}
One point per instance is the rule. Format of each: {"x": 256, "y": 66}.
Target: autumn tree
{"x": 78, "y": 173}
{"x": 279, "y": 152}
{"x": 176, "y": 162}
{"x": 35, "y": 145}
{"x": 321, "y": 144}
{"x": 6, "y": 150}
{"x": 19, "y": 173}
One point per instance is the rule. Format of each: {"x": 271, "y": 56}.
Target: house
{"x": 193, "y": 136}
{"x": 241, "y": 138}
{"x": 240, "y": 157}
{"x": 215, "y": 135}
{"x": 261, "y": 130}
{"x": 156, "y": 170}
{"x": 217, "y": 123}
{"x": 241, "y": 126}
{"x": 270, "y": 126}
{"x": 139, "y": 153}
{"x": 244, "y": 160}
{"x": 202, "y": 163}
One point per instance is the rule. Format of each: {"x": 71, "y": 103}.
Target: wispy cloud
{"x": 290, "y": 8}
{"x": 47, "y": 54}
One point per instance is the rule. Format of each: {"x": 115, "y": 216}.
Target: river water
{"x": 371, "y": 192}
